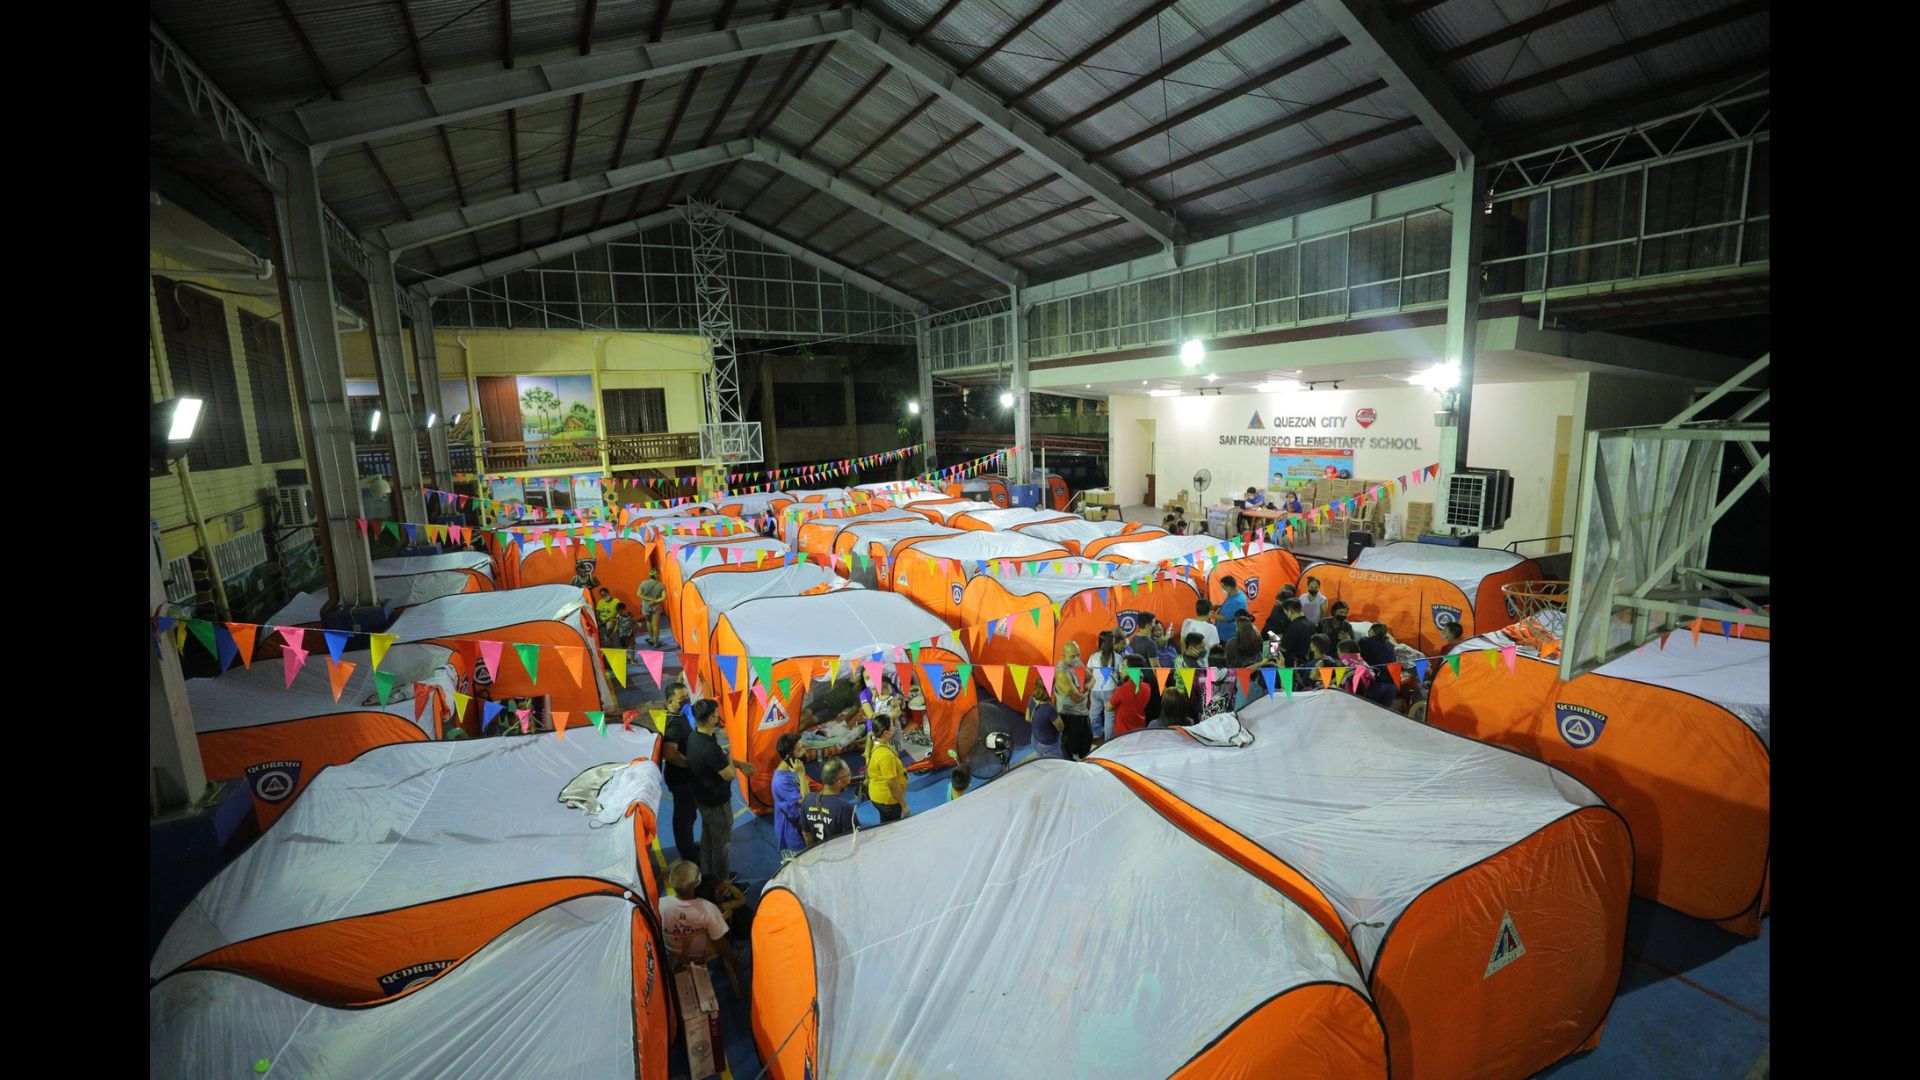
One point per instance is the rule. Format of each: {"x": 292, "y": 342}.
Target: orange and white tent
{"x": 795, "y": 648}
{"x": 402, "y": 582}
{"x": 1677, "y": 738}
{"x": 552, "y": 979}
{"x": 751, "y": 504}
{"x": 1133, "y": 531}
{"x": 943, "y": 511}
{"x": 1072, "y": 532}
{"x": 1076, "y": 598}
{"x": 555, "y": 618}
{"x": 707, "y": 596}
{"x": 412, "y": 823}
{"x": 865, "y": 553}
{"x": 251, "y": 724}
{"x": 681, "y": 561}
{"x": 993, "y": 489}
{"x": 1008, "y": 519}
{"x": 1483, "y": 894}
{"x": 934, "y": 573}
{"x": 1413, "y": 588}
{"x": 816, "y": 537}
{"x": 1260, "y": 568}
{"x": 1032, "y": 930}
{"x": 661, "y": 533}
{"x": 620, "y": 563}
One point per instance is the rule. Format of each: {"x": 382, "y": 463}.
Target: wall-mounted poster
{"x": 557, "y": 407}
{"x": 1292, "y": 467}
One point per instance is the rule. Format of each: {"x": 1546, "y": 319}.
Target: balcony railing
{"x": 646, "y": 449}
{"x": 378, "y": 461}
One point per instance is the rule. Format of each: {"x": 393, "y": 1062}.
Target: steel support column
{"x": 177, "y": 778}
{"x": 396, "y": 388}
{"x": 314, "y": 336}
{"x": 427, "y": 361}
{"x": 925, "y": 362}
{"x": 1021, "y": 465}
{"x": 1463, "y": 314}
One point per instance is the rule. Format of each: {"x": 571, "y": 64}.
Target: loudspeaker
{"x": 1357, "y": 542}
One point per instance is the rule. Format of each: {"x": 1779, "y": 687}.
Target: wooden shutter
{"x": 272, "y": 393}
{"x": 200, "y": 360}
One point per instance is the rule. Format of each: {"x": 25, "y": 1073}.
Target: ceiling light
{"x": 375, "y": 425}
{"x": 1006, "y": 399}
{"x": 1163, "y": 393}
{"x": 1439, "y": 377}
{"x": 432, "y": 418}
{"x": 455, "y": 422}
{"x": 1278, "y": 386}
{"x": 913, "y": 407}
{"x": 1212, "y": 376}
{"x": 1192, "y": 353}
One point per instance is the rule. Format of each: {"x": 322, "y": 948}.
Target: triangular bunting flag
{"x": 599, "y": 721}
{"x": 337, "y": 675}
{"x": 1185, "y": 675}
{"x": 460, "y": 703}
{"x": 560, "y": 720}
{"x": 293, "y": 658}
{"x": 529, "y": 659}
{"x": 203, "y": 632}
{"x": 489, "y": 710}
{"x": 379, "y": 644}
{"x": 616, "y": 663}
{"x": 1453, "y": 661}
{"x": 243, "y": 641}
{"x": 336, "y": 643}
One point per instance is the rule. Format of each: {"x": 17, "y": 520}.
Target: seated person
{"x": 1252, "y": 500}
{"x": 1292, "y": 503}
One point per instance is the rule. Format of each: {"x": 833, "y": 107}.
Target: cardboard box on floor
{"x": 700, "y": 1011}
{"x": 1419, "y": 519}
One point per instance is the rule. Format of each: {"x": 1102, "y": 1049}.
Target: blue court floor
{"x": 1694, "y": 1002}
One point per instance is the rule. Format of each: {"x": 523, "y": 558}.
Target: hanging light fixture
{"x": 1192, "y": 352}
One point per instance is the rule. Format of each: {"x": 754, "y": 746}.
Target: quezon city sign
{"x": 1330, "y": 432}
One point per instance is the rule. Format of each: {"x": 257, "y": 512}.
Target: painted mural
{"x": 557, "y": 407}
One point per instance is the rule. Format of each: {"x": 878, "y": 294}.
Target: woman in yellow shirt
{"x": 886, "y": 777}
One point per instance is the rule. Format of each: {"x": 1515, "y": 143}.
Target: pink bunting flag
{"x": 1046, "y": 675}
{"x": 490, "y": 652}
{"x": 526, "y": 725}
{"x": 652, "y": 658}
{"x": 294, "y": 658}
{"x": 874, "y": 671}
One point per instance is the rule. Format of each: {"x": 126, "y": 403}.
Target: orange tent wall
{"x": 1260, "y": 576}
{"x": 785, "y": 1027}
{"x": 969, "y": 523}
{"x": 621, "y": 573}
{"x": 1693, "y": 782}
{"x": 555, "y": 680}
{"x": 675, "y": 572}
{"x": 1059, "y": 495}
{"x": 1405, "y": 602}
{"x": 939, "y": 585}
{"x": 1269, "y": 1040}
{"x": 987, "y": 599}
{"x": 313, "y": 742}
{"x": 884, "y": 558}
{"x": 660, "y": 547}
{"x": 744, "y": 716}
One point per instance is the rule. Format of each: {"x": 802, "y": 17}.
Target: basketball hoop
{"x": 1539, "y": 613}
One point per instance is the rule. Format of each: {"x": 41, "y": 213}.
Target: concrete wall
{"x": 1513, "y": 428}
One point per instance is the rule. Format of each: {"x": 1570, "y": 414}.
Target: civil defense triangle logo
{"x": 1255, "y": 422}
{"x": 1506, "y": 946}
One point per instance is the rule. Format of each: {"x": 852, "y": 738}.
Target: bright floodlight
{"x": 1440, "y": 376}
{"x": 375, "y": 425}
{"x": 1192, "y": 353}
{"x": 186, "y": 417}
{"x": 913, "y": 407}
{"x": 1006, "y": 399}
{"x": 431, "y": 419}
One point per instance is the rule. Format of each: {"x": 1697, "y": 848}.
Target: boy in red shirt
{"x": 1129, "y": 701}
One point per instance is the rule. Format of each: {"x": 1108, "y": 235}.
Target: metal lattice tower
{"x": 707, "y": 222}
{"x": 725, "y": 436}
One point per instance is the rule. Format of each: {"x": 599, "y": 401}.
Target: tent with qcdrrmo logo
{"x": 1258, "y": 567}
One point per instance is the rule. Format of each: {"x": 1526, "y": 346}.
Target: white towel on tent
{"x": 1221, "y": 729}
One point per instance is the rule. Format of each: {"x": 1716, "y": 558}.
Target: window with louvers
{"x": 635, "y": 412}
{"x": 200, "y": 360}
{"x": 272, "y": 395}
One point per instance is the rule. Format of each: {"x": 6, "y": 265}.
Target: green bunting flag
{"x": 599, "y": 722}
{"x": 1453, "y": 662}
{"x": 383, "y": 683}
{"x": 529, "y": 659}
{"x": 1286, "y": 682}
{"x": 763, "y": 668}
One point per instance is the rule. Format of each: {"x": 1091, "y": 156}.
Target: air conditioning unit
{"x": 1480, "y": 499}
{"x": 296, "y": 506}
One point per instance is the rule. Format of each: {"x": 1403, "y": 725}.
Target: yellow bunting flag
{"x": 379, "y": 644}
{"x": 660, "y": 720}
{"x": 617, "y": 663}
{"x": 1186, "y": 678}
{"x": 460, "y": 702}
{"x": 1019, "y": 679}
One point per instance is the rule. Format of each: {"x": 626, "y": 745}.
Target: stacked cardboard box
{"x": 700, "y": 1011}
{"x": 1419, "y": 519}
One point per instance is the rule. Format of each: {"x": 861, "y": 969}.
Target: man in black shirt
{"x": 679, "y": 780}
{"x": 713, "y": 775}
{"x": 1336, "y": 614}
{"x": 828, "y": 813}
{"x": 1378, "y": 651}
{"x": 1298, "y": 632}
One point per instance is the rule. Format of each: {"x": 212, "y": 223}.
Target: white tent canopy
{"x": 976, "y": 545}
{"x": 890, "y": 531}
{"x": 1064, "y": 578}
{"x": 243, "y": 697}
{"x": 1079, "y": 530}
{"x": 553, "y": 996}
{"x": 849, "y": 623}
{"x": 428, "y": 564}
{"x": 1733, "y": 673}
{"x": 1465, "y": 567}
{"x": 404, "y": 824}
{"x": 402, "y": 582}
{"x": 1061, "y": 940}
{"x": 1014, "y": 516}
{"x": 753, "y": 502}
{"x": 679, "y": 547}
{"x": 1163, "y": 546}
{"x": 484, "y": 612}
{"x": 872, "y": 517}
{"x": 1371, "y": 808}
{"x": 725, "y": 592}
{"x": 947, "y": 511}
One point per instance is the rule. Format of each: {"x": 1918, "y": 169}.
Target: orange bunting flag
{"x": 1326, "y": 677}
{"x": 576, "y": 662}
{"x": 1161, "y": 674}
{"x": 243, "y": 641}
{"x": 1696, "y": 631}
{"x": 560, "y": 724}
{"x": 338, "y": 671}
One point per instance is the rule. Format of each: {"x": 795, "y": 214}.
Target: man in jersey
{"x": 828, "y": 813}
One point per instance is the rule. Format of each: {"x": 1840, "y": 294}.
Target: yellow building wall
{"x": 222, "y": 492}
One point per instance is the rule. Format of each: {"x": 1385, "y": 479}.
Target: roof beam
{"x": 1370, "y": 30}
{"x": 401, "y": 111}
{"x": 1298, "y": 116}
{"x": 1295, "y": 162}
{"x": 944, "y": 242}
{"x": 525, "y": 260}
{"x": 826, "y": 265}
{"x": 1679, "y": 31}
{"x": 985, "y": 108}
{"x": 1204, "y": 105}
{"x": 1150, "y": 12}
{"x": 434, "y": 228}
{"x": 1518, "y": 30}
{"x": 1006, "y": 39}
